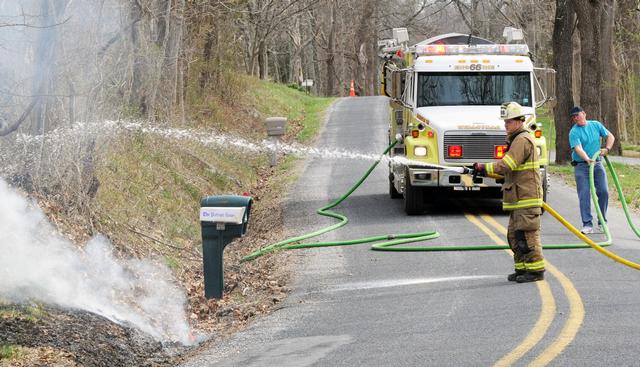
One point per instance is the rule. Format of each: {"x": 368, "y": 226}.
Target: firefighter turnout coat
{"x": 522, "y": 187}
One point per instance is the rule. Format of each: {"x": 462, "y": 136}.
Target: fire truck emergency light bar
{"x": 432, "y": 50}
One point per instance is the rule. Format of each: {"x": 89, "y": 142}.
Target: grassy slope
{"x": 150, "y": 189}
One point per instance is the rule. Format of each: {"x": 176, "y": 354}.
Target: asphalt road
{"x": 351, "y": 306}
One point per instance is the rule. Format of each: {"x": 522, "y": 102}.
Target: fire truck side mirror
{"x": 383, "y": 81}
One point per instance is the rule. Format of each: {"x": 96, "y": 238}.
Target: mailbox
{"x": 276, "y": 126}
{"x": 222, "y": 219}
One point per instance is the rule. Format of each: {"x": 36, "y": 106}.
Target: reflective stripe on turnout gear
{"x": 536, "y": 266}
{"x": 522, "y": 204}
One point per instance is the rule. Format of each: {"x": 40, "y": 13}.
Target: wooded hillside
{"x": 175, "y": 61}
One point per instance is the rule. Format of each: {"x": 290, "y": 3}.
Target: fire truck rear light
{"x": 454, "y": 151}
{"x": 538, "y": 133}
{"x": 499, "y": 151}
{"x": 429, "y": 134}
{"x": 415, "y": 133}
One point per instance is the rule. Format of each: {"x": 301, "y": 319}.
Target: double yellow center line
{"x": 547, "y": 311}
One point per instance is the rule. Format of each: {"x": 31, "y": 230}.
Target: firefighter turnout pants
{"x": 523, "y": 235}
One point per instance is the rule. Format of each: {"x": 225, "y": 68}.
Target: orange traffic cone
{"x": 352, "y": 91}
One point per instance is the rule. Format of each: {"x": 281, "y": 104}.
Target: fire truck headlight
{"x": 420, "y": 151}
{"x": 539, "y": 152}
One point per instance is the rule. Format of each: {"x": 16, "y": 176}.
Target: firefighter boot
{"x": 530, "y": 276}
{"x": 512, "y": 277}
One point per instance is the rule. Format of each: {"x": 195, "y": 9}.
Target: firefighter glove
{"x": 479, "y": 170}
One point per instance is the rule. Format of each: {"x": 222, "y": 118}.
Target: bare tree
{"x": 330, "y": 50}
{"x": 609, "y": 72}
{"x": 588, "y": 13}
{"x": 563, "y": 64}
{"x": 263, "y": 19}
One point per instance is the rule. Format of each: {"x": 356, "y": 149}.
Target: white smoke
{"x": 37, "y": 263}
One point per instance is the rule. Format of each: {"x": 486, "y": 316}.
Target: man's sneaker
{"x": 587, "y": 230}
{"x": 530, "y": 277}
{"x": 512, "y": 277}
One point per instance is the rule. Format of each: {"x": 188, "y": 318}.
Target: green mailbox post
{"x": 222, "y": 218}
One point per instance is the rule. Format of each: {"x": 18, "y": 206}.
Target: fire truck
{"x": 444, "y": 106}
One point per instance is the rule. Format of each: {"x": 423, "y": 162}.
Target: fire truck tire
{"x": 413, "y": 198}
{"x": 393, "y": 193}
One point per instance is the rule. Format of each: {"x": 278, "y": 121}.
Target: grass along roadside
{"x": 150, "y": 191}
{"x": 147, "y": 203}
{"x": 151, "y": 186}
{"x": 303, "y": 111}
{"x": 628, "y": 175}
{"x": 544, "y": 116}
{"x": 9, "y": 351}
{"x": 19, "y": 356}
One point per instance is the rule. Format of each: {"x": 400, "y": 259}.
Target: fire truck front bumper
{"x": 428, "y": 177}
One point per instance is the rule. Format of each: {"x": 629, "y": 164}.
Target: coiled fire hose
{"x": 392, "y": 241}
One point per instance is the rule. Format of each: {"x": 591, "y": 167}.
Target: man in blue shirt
{"x": 584, "y": 139}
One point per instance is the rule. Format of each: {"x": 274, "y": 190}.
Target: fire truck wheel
{"x": 413, "y": 198}
{"x": 392, "y": 189}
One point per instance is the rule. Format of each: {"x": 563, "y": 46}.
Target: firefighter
{"x": 522, "y": 194}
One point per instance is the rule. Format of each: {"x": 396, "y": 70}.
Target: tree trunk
{"x": 295, "y": 69}
{"x": 331, "y": 69}
{"x": 563, "y": 64}
{"x": 588, "y": 13}
{"x": 262, "y": 59}
{"x": 362, "y": 39}
{"x": 162, "y": 12}
{"x": 42, "y": 65}
{"x": 137, "y": 98}
{"x": 318, "y": 84}
{"x": 205, "y": 73}
{"x": 609, "y": 87}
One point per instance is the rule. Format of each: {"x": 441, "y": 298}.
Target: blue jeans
{"x": 584, "y": 192}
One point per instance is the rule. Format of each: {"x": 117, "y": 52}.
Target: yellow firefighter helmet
{"x": 511, "y": 110}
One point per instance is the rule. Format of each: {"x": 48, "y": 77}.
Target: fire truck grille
{"x": 475, "y": 146}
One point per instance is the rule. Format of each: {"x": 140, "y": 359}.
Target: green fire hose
{"x": 392, "y": 242}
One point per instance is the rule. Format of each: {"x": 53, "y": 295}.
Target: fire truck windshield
{"x": 469, "y": 88}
